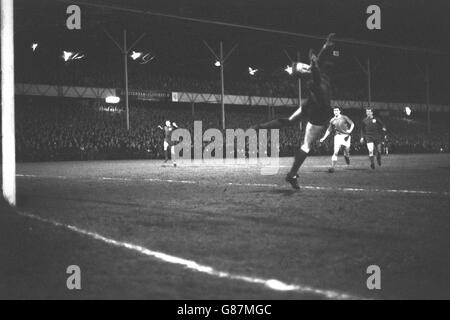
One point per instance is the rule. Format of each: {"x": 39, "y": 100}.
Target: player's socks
{"x": 347, "y": 160}
{"x": 333, "y": 164}
{"x": 379, "y": 159}
{"x": 372, "y": 163}
{"x": 166, "y": 155}
{"x": 274, "y": 124}
{"x": 291, "y": 177}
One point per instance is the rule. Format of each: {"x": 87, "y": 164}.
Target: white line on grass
{"x": 306, "y": 187}
{"x": 194, "y": 266}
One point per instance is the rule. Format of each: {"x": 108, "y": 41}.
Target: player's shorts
{"x": 342, "y": 140}
{"x": 167, "y": 145}
{"x": 374, "y": 140}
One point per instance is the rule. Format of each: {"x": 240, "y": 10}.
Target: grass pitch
{"x": 245, "y": 227}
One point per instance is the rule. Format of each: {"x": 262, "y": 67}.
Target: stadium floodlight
{"x": 251, "y": 71}
{"x": 67, "y": 55}
{"x": 217, "y": 63}
{"x": 136, "y": 55}
{"x": 147, "y": 58}
{"x": 34, "y": 46}
{"x": 302, "y": 67}
{"x": 298, "y": 67}
{"x": 408, "y": 111}
{"x": 143, "y": 57}
{"x": 289, "y": 69}
{"x": 112, "y": 99}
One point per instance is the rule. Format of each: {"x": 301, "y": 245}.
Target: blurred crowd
{"x": 74, "y": 129}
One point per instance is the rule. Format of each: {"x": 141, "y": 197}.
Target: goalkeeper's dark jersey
{"x": 317, "y": 106}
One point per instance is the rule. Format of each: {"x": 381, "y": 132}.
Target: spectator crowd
{"x": 73, "y": 129}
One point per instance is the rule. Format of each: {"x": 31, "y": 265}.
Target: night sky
{"x": 179, "y": 44}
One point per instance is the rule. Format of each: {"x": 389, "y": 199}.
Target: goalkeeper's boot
{"x": 293, "y": 181}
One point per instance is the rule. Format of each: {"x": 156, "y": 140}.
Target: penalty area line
{"x": 272, "y": 284}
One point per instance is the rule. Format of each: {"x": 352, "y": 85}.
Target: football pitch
{"x": 142, "y": 230}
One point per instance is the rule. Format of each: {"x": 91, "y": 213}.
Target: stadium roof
{"x": 412, "y": 23}
{"x": 178, "y": 43}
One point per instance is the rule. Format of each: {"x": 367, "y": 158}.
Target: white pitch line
{"x": 307, "y": 187}
{"x": 252, "y": 184}
{"x": 194, "y": 266}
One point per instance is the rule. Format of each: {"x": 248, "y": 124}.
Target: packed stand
{"x": 73, "y": 129}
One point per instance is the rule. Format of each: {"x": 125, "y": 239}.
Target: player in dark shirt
{"x": 316, "y": 110}
{"x": 168, "y": 128}
{"x": 373, "y": 131}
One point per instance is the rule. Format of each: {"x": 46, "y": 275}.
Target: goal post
{"x": 8, "y": 90}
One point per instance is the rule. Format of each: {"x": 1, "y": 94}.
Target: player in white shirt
{"x": 342, "y": 126}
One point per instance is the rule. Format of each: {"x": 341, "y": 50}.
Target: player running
{"x": 168, "y": 128}
{"x": 316, "y": 109}
{"x": 372, "y": 130}
{"x": 342, "y": 127}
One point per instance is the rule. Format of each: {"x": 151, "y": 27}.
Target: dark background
{"x": 179, "y": 49}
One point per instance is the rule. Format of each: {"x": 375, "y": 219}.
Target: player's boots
{"x": 333, "y": 164}
{"x": 379, "y": 159}
{"x": 372, "y": 163}
{"x": 347, "y": 160}
{"x": 293, "y": 181}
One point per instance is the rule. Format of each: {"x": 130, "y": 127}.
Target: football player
{"x": 168, "y": 128}
{"x": 316, "y": 109}
{"x": 372, "y": 131}
{"x": 342, "y": 126}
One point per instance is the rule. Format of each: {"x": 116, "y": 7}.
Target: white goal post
{"x": 8, "y": 121}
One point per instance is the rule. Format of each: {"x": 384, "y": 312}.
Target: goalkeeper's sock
{"x": 300, "y": 157}
{"x": 166, "y": 155}
{"x": 372, "y": 162}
